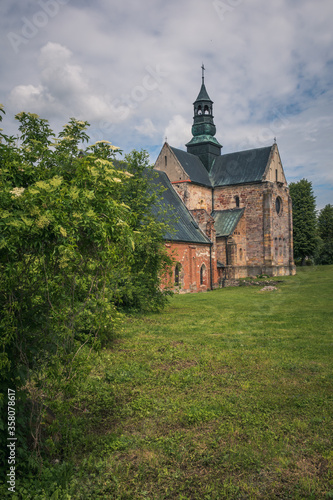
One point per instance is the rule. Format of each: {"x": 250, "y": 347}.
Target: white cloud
{"x": 64, "y": 90}
{"x": 178, "y": 131}
{"x": 146, "y": 128}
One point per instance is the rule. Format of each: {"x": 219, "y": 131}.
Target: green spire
{"x": 203, "y": 95}
{"x": 203, "y": 142}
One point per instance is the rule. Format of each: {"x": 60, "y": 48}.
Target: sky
{"x": 133, "y": 70}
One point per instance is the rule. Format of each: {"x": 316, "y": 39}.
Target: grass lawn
{"x": 224, "y": 395}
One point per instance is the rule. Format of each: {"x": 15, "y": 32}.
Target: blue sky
{"x": 132, "y": 69}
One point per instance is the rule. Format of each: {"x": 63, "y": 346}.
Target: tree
{"x": 77, "y": 241}
{"x": 325, "y": 231}
{"x": 304, "y": 220}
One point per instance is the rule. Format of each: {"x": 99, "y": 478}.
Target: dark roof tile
{"x": 226, "y": 220}
{"x": 240, "y": 168}
{"x": 184, "y": 227}
{"x": 192, "y": 166}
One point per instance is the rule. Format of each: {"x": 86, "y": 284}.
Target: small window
{"x": 237, "y": 201}
{"x": 206, "y": 110}
{"x": 276, "y": 248}
{"x": 177, "y": 274}
{"x": 202, "y": 274}
{"x": 199, "y": 110}
{"x": 276, "y": 175}
{"x": 284, "y": 247}
{"x": 240, "y": 254}
{"x": 165, "y": 160}
{"x": 278, "y": 205}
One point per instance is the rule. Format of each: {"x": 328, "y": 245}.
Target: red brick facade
{"x": 192, "y": 271}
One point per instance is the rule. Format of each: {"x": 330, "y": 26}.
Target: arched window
{"x": 278, "y": 205}
{"x": 240, "y": 254}
{"x": 177, "y": 274}
{"x": 237, "y": 201}
{"x": 202, "y": 274}
{"x": 199, "y": 110}
{"x": 206, "y": 110}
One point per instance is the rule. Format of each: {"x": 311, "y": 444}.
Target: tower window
{"x": 276, "y": 175}
{"x": 206, "y": 110}
{"x": 199, "y": 110}
{"x": 237, "y": 201}
{"x": 165, "y": 160}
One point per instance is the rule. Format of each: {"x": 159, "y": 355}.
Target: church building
{"x": 233, "y": 211}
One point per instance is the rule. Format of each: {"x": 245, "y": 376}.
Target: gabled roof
{"x": 192, "y": 166}
{"x": 240, "y": 168}
{"x": 183, "y": 226}
{"x": 226, "y": 220}
{"x": 234, "y": 168}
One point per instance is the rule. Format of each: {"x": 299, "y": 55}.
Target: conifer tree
{"x": 325, "y": 231}
{"x": 304, "y": 220}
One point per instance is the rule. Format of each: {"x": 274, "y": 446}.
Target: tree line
{"x": 313, "y": 231}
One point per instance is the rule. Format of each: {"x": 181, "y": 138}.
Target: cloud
{"x": 64, "y": 89}
{"x": 178, "y": 131}
{"x": 146, "y": 128}
{"x": 128, "y": 69}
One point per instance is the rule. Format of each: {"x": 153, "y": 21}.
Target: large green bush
{"x": 77, "y": 242}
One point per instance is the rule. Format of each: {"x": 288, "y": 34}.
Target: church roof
{"x": 226, "y": 220}
{"x": 203, "y": 94}
{"x": 183, "y": 226}
{"x": 234, "y": 168}
{"x": 240, "y": 168}
{"x": 192, "y": 166}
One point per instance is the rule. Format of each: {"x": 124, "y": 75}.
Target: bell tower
{"x": 203, "y": 142}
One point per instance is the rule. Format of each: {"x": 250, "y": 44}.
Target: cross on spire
{"x": 203, "y": 72}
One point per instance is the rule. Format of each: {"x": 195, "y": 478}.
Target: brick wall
{"x": 194, "y": 196}
{"x": 194, "y": 271}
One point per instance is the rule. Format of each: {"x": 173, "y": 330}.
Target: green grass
{"x": 224, "y": 395}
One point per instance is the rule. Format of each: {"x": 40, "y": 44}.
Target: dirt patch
{"x": 259, "y": 283}
{"x": 135, "y": 457}
{"x": 222, "y": 370}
